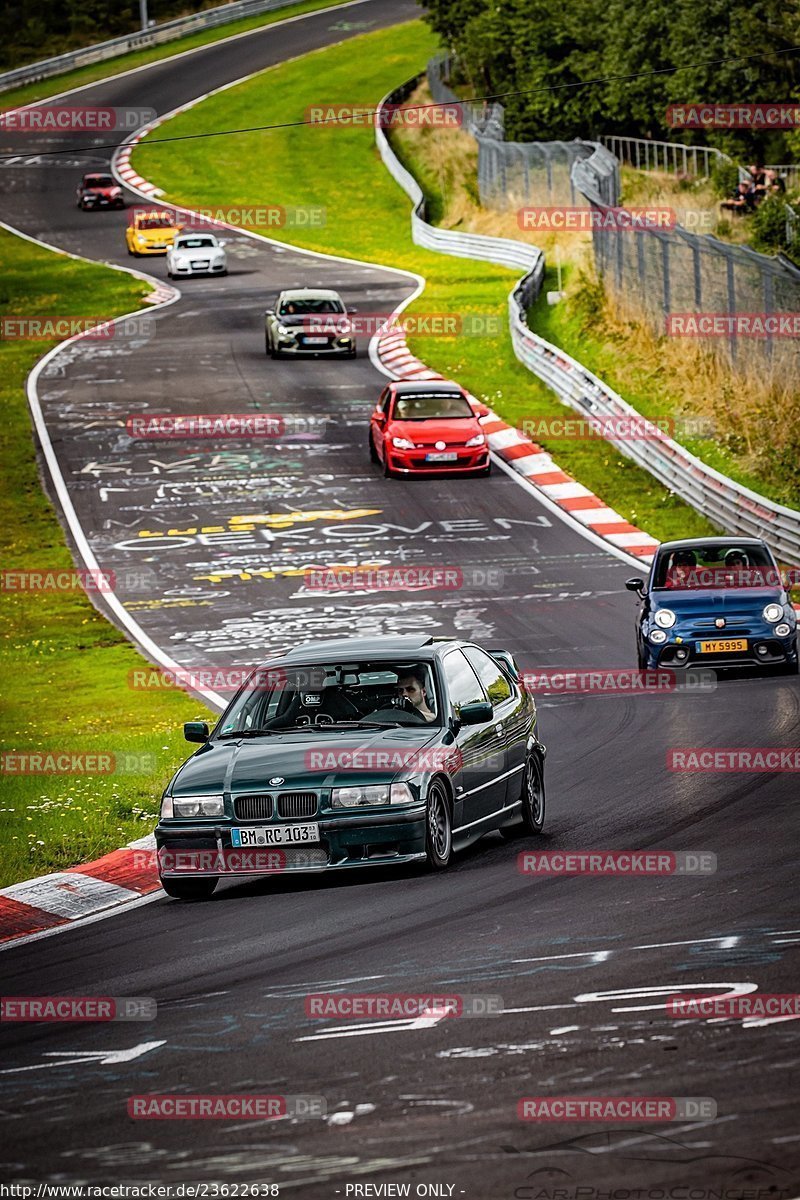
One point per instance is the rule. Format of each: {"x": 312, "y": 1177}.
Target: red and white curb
{"x": 531, "y": 461}
{"x": 36, "y": 906}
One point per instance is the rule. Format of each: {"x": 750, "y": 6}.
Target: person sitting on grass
{"x": 742, "y": 198}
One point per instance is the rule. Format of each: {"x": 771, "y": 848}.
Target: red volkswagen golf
{"x": 419, "y": 427}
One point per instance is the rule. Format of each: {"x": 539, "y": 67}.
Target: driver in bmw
{"x": 412, "y": 688}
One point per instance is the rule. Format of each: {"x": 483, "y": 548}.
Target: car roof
{"x": 437, "y": 385}
{"x": 310, "y": 294}
{"x": 418, "y": 646}
{"x": 732, "y": 538}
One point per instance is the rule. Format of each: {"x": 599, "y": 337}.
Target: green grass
{"x": 63, "y": 667}
{"x": 137, "y": 58}
{"x": 368, "y": 217}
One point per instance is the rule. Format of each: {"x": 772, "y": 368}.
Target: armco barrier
{"x": 165, "y": 32}
{"x": 733, "y": 507}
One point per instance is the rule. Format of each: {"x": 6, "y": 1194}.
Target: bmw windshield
{"x": 354, "y": 694}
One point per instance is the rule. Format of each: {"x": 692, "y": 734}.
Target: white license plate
{"x": 443, "y": 456}
{"x": 316, "y": 341}
{"x": 199, "y": 265}
{"x": 277, "y": 835}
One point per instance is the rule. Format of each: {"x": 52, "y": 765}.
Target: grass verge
{"x": 138, "y": 58}
{"x": 368, "y": 218}
{"x": 63, "y": 667}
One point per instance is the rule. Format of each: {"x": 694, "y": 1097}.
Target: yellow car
{"x": 151, "y": 232}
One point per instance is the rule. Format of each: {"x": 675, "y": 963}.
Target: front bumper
{"x": 332, "y": 349}
{"x": 190, "y": 850}
{"x": 211, "y": 269}
{"x": 413, "y": 462}
{"x": 764, "y": 649}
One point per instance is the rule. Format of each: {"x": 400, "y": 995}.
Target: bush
{"x": 769, "y": 225}
{"x": 724, "y": 177}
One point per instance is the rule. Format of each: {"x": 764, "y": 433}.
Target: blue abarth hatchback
{"x": 715, "y": 602}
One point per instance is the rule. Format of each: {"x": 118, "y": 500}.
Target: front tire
{"x": 190, "y": 889}
{"x": 532, "y": 796}
{"x": 438, "y": 829}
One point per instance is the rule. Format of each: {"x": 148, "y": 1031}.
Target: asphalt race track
{"x": 582, "y": 963}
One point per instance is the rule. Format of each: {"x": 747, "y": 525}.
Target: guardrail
{"x": 733, "y": 507}
{"x": 165, "y": 32}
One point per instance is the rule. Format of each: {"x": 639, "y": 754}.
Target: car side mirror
{"x": 480, "y": 410}
{"x": 270, "y": 312}
{"x": 351, "y": 311}
{"x": 195, "y": 731}
{"x": 476, "y": 713}
{"x": 380, "y": 416}
{"x": 635, "y": 585}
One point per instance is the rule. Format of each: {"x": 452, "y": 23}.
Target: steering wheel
{"x": 392, "y": 713}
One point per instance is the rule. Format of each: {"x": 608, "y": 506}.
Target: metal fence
{"x": 514, "y": 173}
{"x": 670, "y": 157}
{"x": 665, "y": 274}
{"x": 165, "y": 32}
{"x": 728, "y": 504}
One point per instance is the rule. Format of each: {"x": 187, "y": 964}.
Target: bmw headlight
{"x": 658, "y": 636}
{"x": 478, "y": 440}
{"x": 360, "y": 797}
{"x": 665, "y": 618}
{"x": 402, "y": 444}
{"x": 197, "y": 806}
{"x": 773, "y": 613}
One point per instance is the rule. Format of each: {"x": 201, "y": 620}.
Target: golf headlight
{"x": 658, "y": 636}
{"x": 478, "y": 440}
{"x": 402, "y": 444}
{"x": 141, "y": 239}
{"x": 773, "y": 613}
{"x": 198, "y": 806}
{"x": 783, "y": 630}
{"x": 665, "y": 618}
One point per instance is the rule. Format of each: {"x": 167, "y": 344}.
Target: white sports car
{"x": 196, "y": 254}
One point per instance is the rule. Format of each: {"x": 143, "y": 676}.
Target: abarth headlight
{"x": 402, "y": 443}
{"x": 198, "y": 806}
{"x": 773, "y": 613}
{"x": 478, "y": 440}
{"x": 665, "y": 618}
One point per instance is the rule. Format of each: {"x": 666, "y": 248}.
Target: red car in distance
{"x": 99, "y": 191}
{"x": 419, "y": 428}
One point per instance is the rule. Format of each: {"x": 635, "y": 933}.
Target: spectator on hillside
{"x": 742, "y": 198}
{"x": 775, "y": 185}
